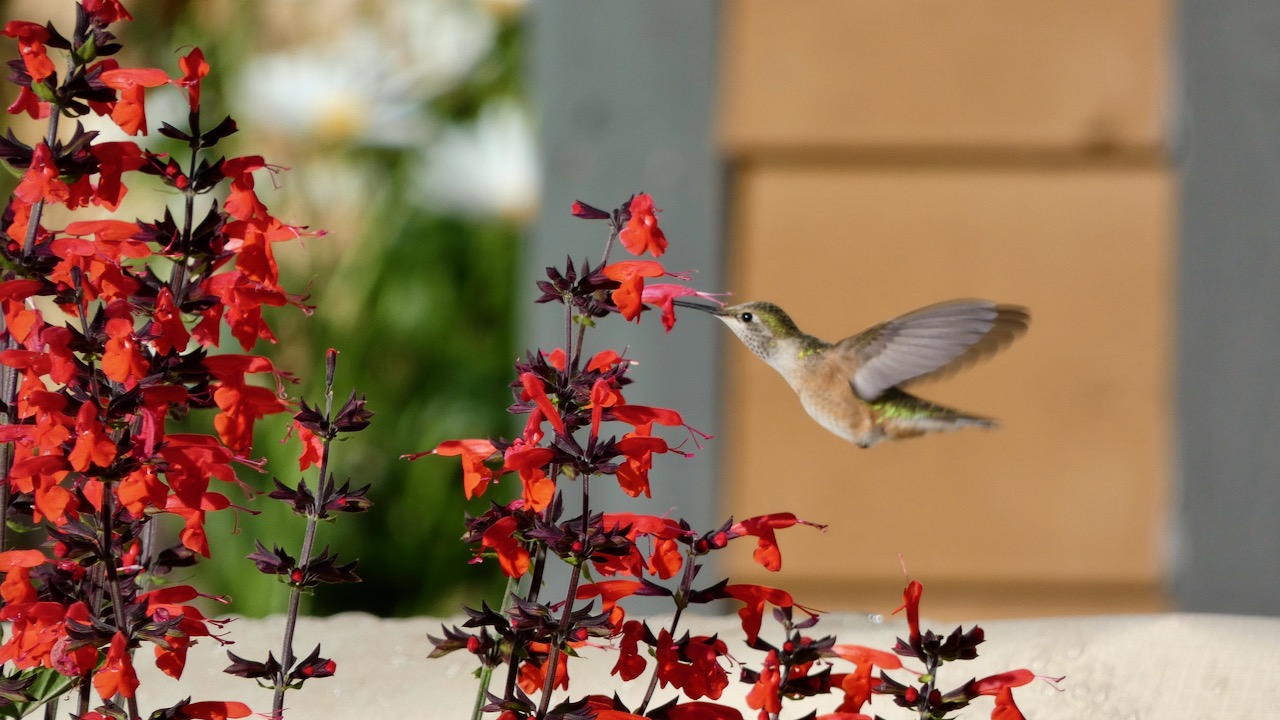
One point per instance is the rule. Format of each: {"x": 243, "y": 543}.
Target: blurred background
{"x": 1112, "y": 166}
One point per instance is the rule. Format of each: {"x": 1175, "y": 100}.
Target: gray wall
{"x": 624, "y": 95}
{"x": 1227, "y": 550}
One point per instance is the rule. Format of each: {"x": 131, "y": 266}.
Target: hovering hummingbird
{"x": 854, "y": 387}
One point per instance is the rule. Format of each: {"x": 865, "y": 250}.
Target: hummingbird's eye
{"x": 746, "y": 317}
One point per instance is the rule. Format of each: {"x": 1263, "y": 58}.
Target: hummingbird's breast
{"x": 822, "y": 384}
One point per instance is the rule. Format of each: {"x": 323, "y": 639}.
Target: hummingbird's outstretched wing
{"x": 930, "y": 342}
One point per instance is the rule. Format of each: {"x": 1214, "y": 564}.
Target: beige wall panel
{"x": 1072, "y": 488}
{"x": 1006, "y": 74}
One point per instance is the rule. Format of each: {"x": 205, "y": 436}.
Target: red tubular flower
{"x": 911, "y": 602}
{"x": 692, "y": 665}
{"x": 31, "y": 39}
{"x": 533, "y": 675}
{"x": 475, "y": 474}
{"x": 642, "y": 233}
{"x": 41, "y": 181}
{"x": 129, "y": 110}
{"x": 211, "y": 710}
{"x": 631, "y": 662}
{"x": 610, "y": 592}
{"x": 763, "y": 527}
{"x": 755, "y": 597}
{"x": 513, "y": 558}
{"x": 116, "y": 676}
{"x": 193, "y": 68}
{"x": 93, "y": 445}
{"x": 16, "y": 566}
{"x": 36, "y": 627}
{"x": 29, "y": 103}
{"x": 538, "y": 489}
{"x": 114, "y": 159}
{"x": 535, "y": 390}
{"x": 1005, "y": 708}
{"x": 168, "y": 334}
{"x": 631, "y": 274}
{"x": 122, "y": 358}
{"x": 858, "y": 684}
{"x": 106, "y": 11}
{"x": 764, "y": 693}
{"x": 663, "y": 295}
{"x": 633, "y": 475}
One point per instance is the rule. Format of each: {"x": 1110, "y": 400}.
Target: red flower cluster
{"x": 86, "y": 399}
{"x": 580, "y": 427}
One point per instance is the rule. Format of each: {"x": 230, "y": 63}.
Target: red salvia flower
{"x": 41, "y": 181}
{"x": 106, "y": 11}
{"x": 93, "y": 444}
{"x": 642, "y": 233}
{"x": 129, "y": 109}
{"x": 31, "y": 39}
{"x": 763, "y": 527}
{"x": 513, "y": 558}
{"x": 764, "y": 693}
{"x": 116, "y": 676}
{"x": 475, "y": 474}
{"x": 194, "y": 69}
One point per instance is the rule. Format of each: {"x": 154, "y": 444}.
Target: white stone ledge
{"x": 1165, "y": 667}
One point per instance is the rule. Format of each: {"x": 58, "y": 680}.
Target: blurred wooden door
{"x": 887, "y": 155}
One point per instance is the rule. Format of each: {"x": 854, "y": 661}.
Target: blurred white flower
{"x": 370, "y": 84}
{"x": 488, "y": 167}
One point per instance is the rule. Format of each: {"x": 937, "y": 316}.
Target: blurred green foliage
{"x": 418, "y": 303}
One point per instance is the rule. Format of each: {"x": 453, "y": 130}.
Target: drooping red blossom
{"x": 30, "y": 103}
{"x": 911, "y": 603}
{"x": 475, "y": 474}
{"x": 129, "y": 110}
{"x": 31, "y": 44}
{"x": 537, "y": 488}
{"x": 641, "y": 233}
{"x": 692, "y": 665}
{"x": 42, "y": 181}
{"x": 513, "y": 558}
{"x": 857, "y": 685}
{"x": 763, "y": 527}
{"x": 535, "y": 390}
{"x": 116, "y": 676}
{"x": 106, "y": 11}
{"x": 114, "y": 159}
{"x": 631, "y": 662}
{"x": 93, "y": 444}
{"x": 630, "y": 275}
{"x": 194, "y": 69}
{"x": 1006, "y": 708}
{"x": 663, "y": 296}
{"x": 764, "y": 693}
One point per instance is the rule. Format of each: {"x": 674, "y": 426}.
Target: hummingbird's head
{"x": 759, "y": 325}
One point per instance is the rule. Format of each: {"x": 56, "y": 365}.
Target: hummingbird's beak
{"x": 711, "y": 309}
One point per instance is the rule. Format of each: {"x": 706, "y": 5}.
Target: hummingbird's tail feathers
{"x": 902, "y": 415}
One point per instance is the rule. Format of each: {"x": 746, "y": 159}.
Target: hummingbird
{"x": 854, "y": 387}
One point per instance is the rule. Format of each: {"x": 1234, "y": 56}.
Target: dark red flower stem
{"x": 681, "y": 601}
{"x": 566, "y": 613}
{"x": 178, "y": 280}
{"x": 308, "y": 544}
{"x": 106, "y": 518}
